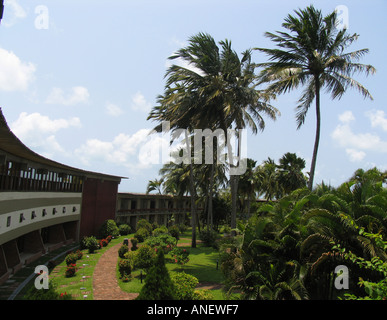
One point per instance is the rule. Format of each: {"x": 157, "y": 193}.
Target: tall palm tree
{"x": 154, "y": 185}
{"x": 312, "y": 54}
{"x": 217, "y": 91}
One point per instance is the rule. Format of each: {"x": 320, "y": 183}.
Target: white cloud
{"x": 139, "y": 103}
{"x": 347, "y": 117}
{"x": 121, "y": 150}
{"x": 113, "y": 110}
{"x": 355, "y": 155}
{"x": 77, "y": 95}
{"x": 134, "y": 152}
{"x": 38, "y": 131}
{"x": 15, "y": 75}
{"x": 13, "y": 12}
{"x": 356, "y": 144}
{"x": 378, "y": 119}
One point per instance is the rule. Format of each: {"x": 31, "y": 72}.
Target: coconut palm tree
{"x": 216, "y": 91}
{"x": 154, "y": 185}
{"x": 312, "y": 53}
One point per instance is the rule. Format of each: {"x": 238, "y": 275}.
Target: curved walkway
{"x": 105, "y": 285}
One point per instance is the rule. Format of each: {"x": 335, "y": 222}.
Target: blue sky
{"x": 78, "y": 79}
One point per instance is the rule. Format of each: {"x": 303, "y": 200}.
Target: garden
{"x": 194, "y": 272}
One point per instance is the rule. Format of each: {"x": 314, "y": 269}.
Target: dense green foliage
{"x": 286, "y": 248}
{"x": 158, "y": 284}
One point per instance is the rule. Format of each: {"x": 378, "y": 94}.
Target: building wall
{"x": 24, "y": 212}
{"x": 98, "y": 205}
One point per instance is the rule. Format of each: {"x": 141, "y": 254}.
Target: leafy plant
{"x": 71, "y": 259}
{"x": 122, "y": 250}
{"x": 109, "y": 228}
{"x": 158, "y": 284}
{"x": 71, "y": 270}
{"x": 91, "y": 244}
{"x": 180, "y": 255}
{"x": 124, "y": 229}
{"x": 141, "y": 234}
{"x": 145, "y": 257}
{"x": 124, "y": 267}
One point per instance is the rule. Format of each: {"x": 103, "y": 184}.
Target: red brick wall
{"x": 99, "y": 200}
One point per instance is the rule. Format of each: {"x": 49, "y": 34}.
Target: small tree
{"x": 109, "y": 228}
{"x": 158, "y": 284}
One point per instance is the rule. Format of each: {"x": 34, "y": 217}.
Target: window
{"x": 8, "y": 221}
{"x": 44, "y": 212}
{"x": 21, "y": 218}
{"x": 74, "y": 209}
{"x": 54, "y": 211}
{"x": 33, "y": 215}
{"x": 64, "y": 210}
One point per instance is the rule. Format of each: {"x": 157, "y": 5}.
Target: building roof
{"x": 11, "y": 145}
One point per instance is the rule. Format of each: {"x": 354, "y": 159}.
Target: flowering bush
{"x": 103, "y": 243}
{"x": 109, "y": 238}
{"x": 71, "y": 270}
{"x": 71, "y": 258}
{"x": 79, "y": 254}
{"x": 164, "y": 241}
{"x": 180, "y": 255}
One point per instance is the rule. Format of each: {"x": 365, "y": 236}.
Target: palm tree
{"x": 154, "y": 185}
{"x": 217, "y": 91}
{"x": 290, "y": 175}
{"x": 313, "y": 55}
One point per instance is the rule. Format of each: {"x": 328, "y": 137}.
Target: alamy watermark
{"x": 342, "y": 277}
{"x": 231, "y": 147}
{"x": 41, "y": 281}
{"x": 342, "y": 17}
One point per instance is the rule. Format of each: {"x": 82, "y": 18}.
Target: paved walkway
{"x": 105, "y": 285}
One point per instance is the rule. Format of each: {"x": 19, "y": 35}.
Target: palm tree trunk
{"x": 234, "y": 187}
{"x": 192, "y": 191}
{"x": 317, "y": 139}
{"x": 210, "y": 194}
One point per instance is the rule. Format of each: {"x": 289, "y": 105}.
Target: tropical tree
{"x": 216, "y": 91}
{"x": 312, "y": 53}
{"x": 154, "y": 185}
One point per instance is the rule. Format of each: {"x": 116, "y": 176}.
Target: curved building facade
{"x": 45, "y": 204}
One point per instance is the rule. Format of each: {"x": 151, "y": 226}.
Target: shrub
{"x": 141, "y": 234}
{"x": 160, "y": 230}
{"x": 131, "y": 257}
{"x": 184, "y": 285}
{"x": 71, "y": 258}
{"x": 124, "y": 229}
{"x": 122, "y": 250}
{"x": 202, "y": 295}
{"x": 79, "y": 254}
{"x": 71, "y": 270}
{"x": 158, "y": 284}
{"x": 124, "y": 267}
{"x": 145, "y": 256}
{"x": 134, "y": 242}
{"x": 174, "y": 231}
{"x": 143, "y": 223}
{"x": 209, "y": 237}
{"x": 109, "y": 228}
{"x": 103, "y": 243}
{"x": 91, "y": 244}
{"x": 182, "y": 227}
{"x": 109, "y": 238}
{"x": 164, "y": 241}
{"x": 180, "y": 255}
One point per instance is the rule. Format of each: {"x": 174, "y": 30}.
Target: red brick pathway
{"x": 105, "y": 285}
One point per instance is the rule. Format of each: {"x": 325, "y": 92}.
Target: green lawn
{"x": 202, "y": 265}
